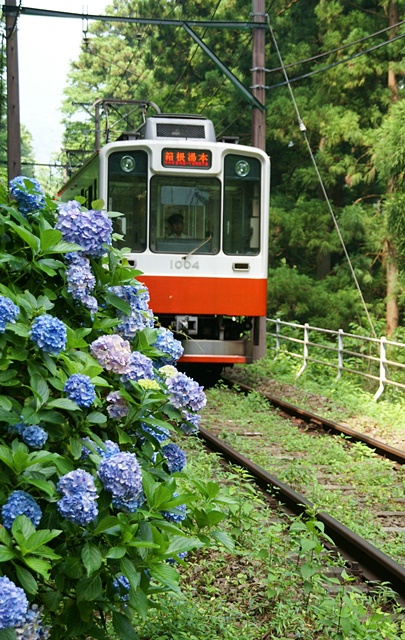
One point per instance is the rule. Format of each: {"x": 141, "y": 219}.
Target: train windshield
{"x": 242, "y": 205}
{"x": 184, "y": 214}
{"x": 127, "y": 189}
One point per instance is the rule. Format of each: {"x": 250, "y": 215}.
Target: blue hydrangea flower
{"x": 34, "y": 436}
{"x": 49, "y": 334}
{"x": 192, "y": 421}
{"x": 81, "y": 281}
{"x": 28, "y": 193}
{"x": 121, "y": 475}
{"x": 80, "y": 509}
{"x": 122, "y": 586}
{"x": 77, "y": 482}
{"x": 79, "y": 492}
{"x": 20, "y": 503}
{"x": 161, "y": 434}
{"x": 89, "y": 229}
{"x": 178, "y": 515}
{"x": 137, "y": 296}
{"x": 175, "y": 457}
{"x": 13, "y": 604}
{"x": 186, "y": 392}
{"x": 167, "y": 343}
{"x": 33, "y": 627}
{"x": 131, "y": 505}
{"x": 179, "y": 556}
{"x": 80, "y": 389}
{"x": 112, "y": 353}
{"x": 140, "y": 367}
{"x": 9, "y": 312}
{"x": 108, "y": 449}
{"x": 118, "y": 407}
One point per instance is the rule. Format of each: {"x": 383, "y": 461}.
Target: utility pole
{"x": 258, "y": 75}
{"x": 13, "y": 99}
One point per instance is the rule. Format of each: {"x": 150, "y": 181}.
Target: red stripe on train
{"x": 222, "y": 296}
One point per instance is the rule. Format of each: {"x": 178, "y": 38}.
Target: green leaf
{"x": 123, "y": 627}
{"x": 27, "y": 580}
{"x": 98, "y": 204}
{"x": 20, "y": 329}
{"x": 63, "y": 247}
{"x": 96, "y": 418}
{"x": 89, "y": 589}
{"x": 5, "y": 537}
{"x": 115, "y": 553}
{"x": 39, "y": 566}
{"x": 40, "y": 389}
{"x": 6, "y": 554}
{"x": 92, "y": 558}
{"x": 166, "y": 575}
{"x": 49, "y": 238}
{"x": 64, "y": 403}
{"x": 108, "y": 524}
{"x": 224, "y": 539}
{"x": 41, "y": 537}
{"x": 27, "y": 236}
{"x": 8, "y": 634}
{"x": 45, "y": 486}
{"x": 179, "y": 544}
{"x": 118, "y": 302}
{"x": 5, "y": 403}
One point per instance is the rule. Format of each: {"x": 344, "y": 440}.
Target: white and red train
{"x": 207, "y": 274}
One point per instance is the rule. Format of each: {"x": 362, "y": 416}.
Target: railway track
{"x": 362, "y": 557}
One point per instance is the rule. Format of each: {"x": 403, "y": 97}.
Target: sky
{"x": 46, "y": 46}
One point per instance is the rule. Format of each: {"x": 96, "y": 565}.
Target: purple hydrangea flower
{"x": 118, "y": 407}
{"x": 112, "y": 352}
{"x": 178, "y": 515}
{"x": 175, "y": 457}
{"x": 49, "y": 334}
{"x": 139, "y": 368}
{"x": 186, "y": 392}
{"x": 108, "y": 449}
{"x": 131, "y": 505}
{"x": 121, "y": 475}
{"x": 167, "y": 343}
{"x": 122, "y": 586}
{"x": 192, "y": 420}
{"x": 13, "y": 604}
{"x": 28, "y": 193}
{"x": 34, "y": 436}
{"x": 8, "y": 312}
{"x": 20, "y": 503}
{"x": 78, "y": 503}
{"x": 81, "y": 281}
{"x": 89, "y": 229}
{"x": 33, "y": 627}
{"x": 80, "y": 389}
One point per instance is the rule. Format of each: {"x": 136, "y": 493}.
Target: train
{"x": 195, "y": 216}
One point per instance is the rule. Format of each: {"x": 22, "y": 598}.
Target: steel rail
{"x": 381, "y": 448}
{"x": 376, "y": 565}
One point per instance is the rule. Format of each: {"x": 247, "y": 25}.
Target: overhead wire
{"x": 337, "y": 49}
{"x": 303, "y": 130}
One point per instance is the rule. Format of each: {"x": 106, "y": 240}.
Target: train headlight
{"x": 127, "y": 164}
{"x": 242, "y": 168}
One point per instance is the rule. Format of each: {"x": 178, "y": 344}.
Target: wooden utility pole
{"x": 258, "y": 75}
{"x": 13, "y": 98}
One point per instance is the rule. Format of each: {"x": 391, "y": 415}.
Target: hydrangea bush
{"x": 96, "y": 508}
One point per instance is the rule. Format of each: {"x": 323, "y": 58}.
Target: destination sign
{"x": 187, "y": 158}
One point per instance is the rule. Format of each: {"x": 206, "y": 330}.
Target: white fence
{"x": 363, "y": 356}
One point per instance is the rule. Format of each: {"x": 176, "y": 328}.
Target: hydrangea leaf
{"x": 92, "y": 558}
{"x": 123, "y": 627}
{"x": 89, "y": 589}
{"x": 26, "y": 580}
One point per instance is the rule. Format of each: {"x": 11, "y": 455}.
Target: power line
{"x": 333, "y": 64}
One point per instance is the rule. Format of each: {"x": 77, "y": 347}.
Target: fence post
{"x": 277, "y": 337}
{"x": 340, "y": 353}
{"x": 304, "y": 365}
{"x": 383, "y": 371}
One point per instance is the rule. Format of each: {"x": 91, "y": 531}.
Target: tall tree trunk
{"x": 390, "y": 254}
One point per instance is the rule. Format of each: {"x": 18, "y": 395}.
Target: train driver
{"x": 176, "y": 222}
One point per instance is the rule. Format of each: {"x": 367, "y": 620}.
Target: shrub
{"x": 90, "y": 494}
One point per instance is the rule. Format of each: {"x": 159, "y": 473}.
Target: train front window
{"x": 241, "y": 205}
{"x": 127, "y": 193}
{"x": 184, "y": 214}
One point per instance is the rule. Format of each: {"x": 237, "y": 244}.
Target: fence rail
{"x": 369, "y": 360}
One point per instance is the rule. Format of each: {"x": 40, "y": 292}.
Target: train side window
{"x": 241, "y": 233}
{"x": 127, "y": 193}
{"x": 192, "y": 201}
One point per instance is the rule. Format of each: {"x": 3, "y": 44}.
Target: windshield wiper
{"x": 197, "y": 247}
